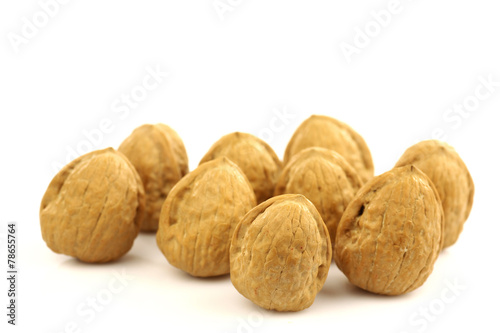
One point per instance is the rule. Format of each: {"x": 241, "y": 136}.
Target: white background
{"x": 234, "y": 75}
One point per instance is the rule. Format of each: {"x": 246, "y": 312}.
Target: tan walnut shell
{"x": 256, "y": 158}
{"x": 93, "y": 208}
{"x": 158, "y": 154}
{"x": 442, "y": 164}
{"x": 330, "y": 133}
{"x": 391, "y": 233}
{"x": 325, "y": 178}
{"x": 281, "y": 254}
{"x": 199, "y": 216}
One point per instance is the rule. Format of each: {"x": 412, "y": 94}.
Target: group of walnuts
{"x": 274, "y": 226}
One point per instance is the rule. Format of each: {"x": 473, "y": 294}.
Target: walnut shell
{"x": 158, "y": 154}
{"x": 442, "y": 164}
{"x": 327, "y": 132}
{"x": 391, "y": 233}
{"x": 324, "y": 177}
{"x": 281, "y": 254}
{"x": 199, "y": 215}
{"x": 256, "y": 158}
{"x": 93, "y": 208}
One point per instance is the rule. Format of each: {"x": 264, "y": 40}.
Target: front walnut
{"x": 281, "y": 254}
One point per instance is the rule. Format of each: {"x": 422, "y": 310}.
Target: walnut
{"x": 158, "y": 154}
{"x": 199, "y": 215}
{"x": 281, "y": 254}
{"x": 93, "y": 208}
{"x": 255, "y": 157}
{"x": 442, "y": 164}
{"x": 325, "y": 178}
{"x": 327, "y": 132}
{"x": 391, "y": 233}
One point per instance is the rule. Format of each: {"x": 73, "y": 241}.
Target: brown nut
{"x": 327, "y": 132}
{"x": 93, "y": 208}
{"x": 158, "y": 154}
{"x": 256, "y": 158}
{"x": 325, "y": 178}
{"x": 199, "y": 215}
{"x": 442, "y": 164}
{"x": 391, "y": 233}
{"x": 281, "y": 254}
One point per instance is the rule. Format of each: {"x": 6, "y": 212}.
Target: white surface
{"x": 226, "y": 76}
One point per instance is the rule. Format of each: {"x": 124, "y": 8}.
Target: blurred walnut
{"x": 325, "y": 178}
{"x": 159, "y": 156}
{"x": 255, "y": 157}
{"x": 327, "y": 132}
{"x": 441, "y": 163}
